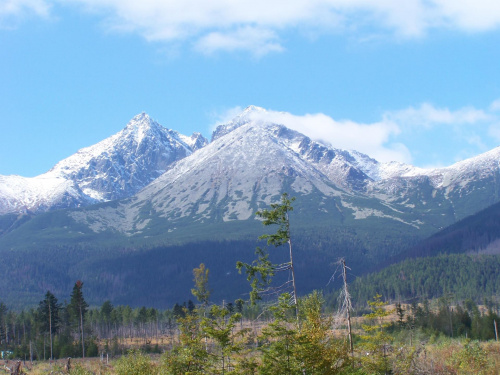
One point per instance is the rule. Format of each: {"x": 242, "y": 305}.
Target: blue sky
{"x": 416, "y": 81}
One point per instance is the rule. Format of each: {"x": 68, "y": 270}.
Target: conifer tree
{"x": 281, "y": 344}
{"x": 375, "y": 339}
{"x": 201, "y": 290}
{"x": 3, "y": 325}
{"x": 318, "y": 350}
{"x": 219, "y": 327}
{"x": 78, "y": 309}
{"x": 49, "y": 316}
{"x": 262, "y": 270}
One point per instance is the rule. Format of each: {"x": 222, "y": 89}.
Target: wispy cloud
{"x": 373, "y": 139}
{"x": 428, "y": 115}
{"x": 257, "y": 25}
{"x": 256, "y": 40}
{"x": 13, "y": 10}
{"x": 391, "y": 138}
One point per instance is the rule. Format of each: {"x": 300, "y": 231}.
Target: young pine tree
{"x": 49, "y": 317}
{"x": 77, "y": 309}
{"x": 375, "y": 340}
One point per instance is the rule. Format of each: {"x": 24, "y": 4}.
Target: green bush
{"x": 79, "y": 370}
{"x": 135, "y": 363}
{"x": 471, "y": 359}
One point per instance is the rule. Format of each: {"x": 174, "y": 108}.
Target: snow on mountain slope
{"x": 121, "y": 165}
{"x": 394, "y": 178}
{"x": 229, "y": 179}
{"x": 114, "y": 168}
{"x": 19, "y": 194}
{"x": 250, "y": 161}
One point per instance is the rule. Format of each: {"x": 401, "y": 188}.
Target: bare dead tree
{"x": 345, "y": 305}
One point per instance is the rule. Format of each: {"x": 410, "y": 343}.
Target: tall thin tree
{"x": 201, "y": 290}
{"x": 77, "y": 309}
{"x": 48, "y": 310}
{"x": 261, "y": 271}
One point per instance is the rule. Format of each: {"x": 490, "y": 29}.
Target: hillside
{"x": 478, "y": 233}
{"x": 458, "y": 276}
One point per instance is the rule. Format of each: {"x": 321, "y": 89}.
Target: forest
{"x": 461, "y": 276}
{"x": 240, "y": 338}
{"x": 410, "y": 329}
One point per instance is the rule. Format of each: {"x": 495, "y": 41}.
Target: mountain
{"x": 250, "y": 162}
{"x": 115, "y": 168}
{"x": 201, "y": 208}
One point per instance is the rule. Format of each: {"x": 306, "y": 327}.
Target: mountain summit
{"x": 114, "y": 168}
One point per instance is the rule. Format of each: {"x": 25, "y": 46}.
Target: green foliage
{"x": 312, "y": 349}
{"x": 201, "y": 290}
{"x": 447, "y": 318}
{"x": 190, "y": 355}
{"x": 49, "y": 313}
{"x": 376, "y": 341}
{"x": 3, "y": 317}
{"x": 259, "y": 273}
{"x": 472, "y": 359}
{"x": 78, "y": 369}
{"x": 219, "y": 326}
{"x": 280, "y": 341}
{"x": 277, "y": 215}
{"x": 405, "y": 360}
{"x": 135, "y": 363}
{"x": 77, "y": 310}
{"x": 319, "y": 352}
{"x": 464, "y": 276}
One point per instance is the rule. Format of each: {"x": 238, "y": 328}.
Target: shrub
{"x": 135, "y": 363}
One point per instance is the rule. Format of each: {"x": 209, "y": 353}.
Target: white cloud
{"x": 372, "y": 139}
{"x": 398, "y": 135}
{"x": 427, "y": 116}
{"x": 258, "y": 25}
{"x": 252, "y": 39}
{"x": 224, "y": 116}
{"x": 15, "y": 9}
{"x": 470, "y": 15}
{"x": 495, "y": 106}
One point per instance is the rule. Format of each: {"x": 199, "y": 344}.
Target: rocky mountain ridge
{"x": 249, "y": 162}
{"x": 245, "y": 167}
{"x": 114, "y": 168}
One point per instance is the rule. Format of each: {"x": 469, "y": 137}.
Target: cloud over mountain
{"x": 391, "y": 137}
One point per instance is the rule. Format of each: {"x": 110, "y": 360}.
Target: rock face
{"x": 115, "y": 168}
{"x": 248, "y": 163}
{"x": 251, "y": 161}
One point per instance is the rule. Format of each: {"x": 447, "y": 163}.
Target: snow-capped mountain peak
{"x": 249, "y": 154}
{"x": 114, "y": 168}
{"x": 141, "y": 126}
{"x": 250, "y": 113}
